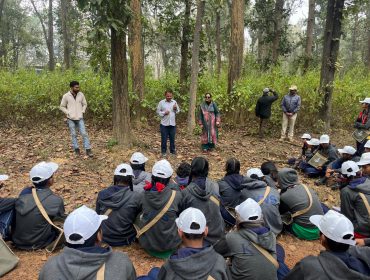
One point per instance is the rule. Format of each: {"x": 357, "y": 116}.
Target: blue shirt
{"x": 291, "y": 103}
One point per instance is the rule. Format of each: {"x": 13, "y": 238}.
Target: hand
{"x": 319, "y": 168}
{"x": 166, "y": 112}
{"x": 175, "y": 107}
{"x": 360, "y": 242}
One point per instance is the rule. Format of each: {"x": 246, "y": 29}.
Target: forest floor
{"x": 79, "y": 179}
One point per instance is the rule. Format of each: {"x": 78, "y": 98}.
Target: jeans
{"x": 168, "y": 132}
{"x": 72, "y": 124}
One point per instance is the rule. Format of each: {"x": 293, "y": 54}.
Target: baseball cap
{"x": 335, "y": 226}
{"x": 266, "y": 90}
{"x": 349, "y": 168}
{"x": 365, "y": 159}
{"x": 162, "y": 169}
{"x": 83, "y": 221}
{"x": 293, "y": 87}
{"x": 324, "y": 139}
{"x": 249, "y": 210}
{"x": 347, "y": 150}
{"x": 255, "y": 171}
{"x": 306, "y": 136}
{"x": 138, "y": 158}
{"x": 366, "y": 100}
{"x": 190, "y": 216}
{"x": 4, "y": 177}
{"x": 43, "y": 171}
{"x": 367, "y": 145}
{"x": 124, "y": 169}
{"x": 313, "y": 142}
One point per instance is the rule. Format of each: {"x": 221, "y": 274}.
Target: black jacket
{"x": 263, "y": 106}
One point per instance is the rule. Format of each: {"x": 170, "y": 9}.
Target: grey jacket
{"x": 78, "y": 265}
{"x": 330, "y": 153}
{"x": 140, "y": 181}
{"x": 353, "y": 207}
{"x": 198, "y": 266}
{"x": 291, "y": 103}
{"x": 230, "y": 190}
{"x": 246, "y": 261}
{"x": 31, "y": 230}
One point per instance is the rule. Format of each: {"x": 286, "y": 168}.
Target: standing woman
{"x": 362, "y": 124}
{"x": 209, "y": 121}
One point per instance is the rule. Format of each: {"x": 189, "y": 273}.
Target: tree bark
{"x": 236, "y": 43}
{"x": 195, "y": 65}
{"x": 333, "y": 27}
{"x": 50, "y": 41}
{"x": 278, "y": 22}
{"x": 186, "y": 32}
{"x": 354, "y": 39}
{"x": 121, "y": 108}
{"x": 218, "y": 43}
{"x": 65, "y": 7}
{"x": 2, "y": 4}
{"x": 367, "y": 60}
{"x": 309, "y": 35}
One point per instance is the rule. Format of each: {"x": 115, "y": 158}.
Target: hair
{"x": 268, "y": 167}
{"x": 183, "y": 170}
{"x": 336, "y": 246}
{"x": 123, "y": 180}
{"x": 74, "y": 83}
{"x": 138, "y": 166}
{"x": 42, "y": 184}
{"x": 168, "y": 91}
{"x": 163, "y": 181}
{"x": 88, "y": 243}
{"x": 208, "y": 93}
{"x": 232, "y": 166}
{"x": 199, "y": 167}
{"x": 193, "y": 236}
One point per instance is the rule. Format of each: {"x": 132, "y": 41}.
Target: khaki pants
{"x": 288, "y": 121}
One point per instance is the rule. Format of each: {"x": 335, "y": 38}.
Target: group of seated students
{"x": 183, "y": 221}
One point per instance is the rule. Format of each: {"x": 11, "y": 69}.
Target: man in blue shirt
{"x": 290, "y": 105}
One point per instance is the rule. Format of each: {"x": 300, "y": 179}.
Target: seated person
{"x": 340, "y": 260}
{"x": 247, "y": 260}
{"x": 201, "y": 194}
{"x": 294, "y": 198}
{"x": 367, "y": 147}
{"x": 270, "y": 172}
{"x": 305, "y": 137}
{"x": 313, "y": 145}
{"x": 137, "y": 163}
{"x": 352, "y": 204}
{"x": 194, "y": 259}
{"x": 83, "y": 257}
{"x": 182, "y": 175}
{"x": 256, "y": 188}
{"x": 31, "y": 230}
{"x": 160, "y": 239}
{"x": 121, "y": 204}
{"x": 6, "y": 211}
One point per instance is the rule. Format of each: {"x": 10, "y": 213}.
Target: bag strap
{"x": 365, "y": 202}
{"x": 267, "y": 191}
{"x": 158, "y": 217}
{"x": 100, "y": 273}
{"x": 305, "y": 210}
{"x": 214, "y": 200}
{"x": 43, "y": 211}
{"x": 210, "y": 278}
{"x": 109, "y": 210}
{"x": 266, "y": 254}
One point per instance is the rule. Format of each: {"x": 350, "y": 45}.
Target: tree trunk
{"x": 218, "y": 43}
{"x": 121, "y": 108}
{"x": 354, "y": 39}
{"x": 309, "y": 35}
{"x": 278, "y": 22}
{"x": 367, "y": 60}
{"x": 236, "y": 43}
{"x": 195, "y": 65}
{"x": 65, "y": 7}
{"x": 50, "y": 41}
{"x": 2, "y": 4}
{"x": 186, "y": 32}
{"x": 333, "y": 27}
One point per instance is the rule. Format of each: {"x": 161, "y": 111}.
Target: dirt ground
{"x": 79, "y": 179}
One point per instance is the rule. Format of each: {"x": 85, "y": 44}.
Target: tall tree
{"x": 65, "y": 8}
{"x": 309, "y": 35}
{"x": 186, "y": 34}
{"x": 354, "y": 38}
{"x": 218, "y": 38}
{"x": 236, "y": 43}
{"x": 367, "y": 60}
{"x": 195, "y": 65}
{"x": 333, "y": 29}
{"x": 278, "y": 23}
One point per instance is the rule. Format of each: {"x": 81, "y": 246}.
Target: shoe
{"x": 89, "y": 153}
{"x": 282, "y": 139}
{"x": 163, "y": 155}
{"x": 77, "y": 151}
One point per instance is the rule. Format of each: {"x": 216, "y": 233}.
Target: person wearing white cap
{"x": 137, "y": 163}
{"x": 263, "y": 108}
{"x": 367, "y": 146}
{"x": 362, "y": 124}
{"x": 84, "y": 257}
{"x": 355, "y": 198}
{"x": 31, "y": 230}
{"x": 340, "y": 260}
{"x": 122, "y": 204}
{"x": 244, "y": 245}
{"x": 161, "y": 238}
{"x": 194, "y": 259}
{"x": 290, "y": 105}
{"x": 312, "y": 147}
{"x": 305, "y": 137}
{"x": 256, "y": 187}
{"x": 6, "y": 211}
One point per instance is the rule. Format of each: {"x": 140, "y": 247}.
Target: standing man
{"x": 290, "y": 104}
{"x": 167, "y": 110}
{"x": 74, "y": 106}
{"x": 263, "y": 107}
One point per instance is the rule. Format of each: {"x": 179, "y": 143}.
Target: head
{"x": 123, "y": 175}
{"x": 208, "y": 98}
{"x": 162, "y": 172}
{"x": 75, "y": 86}
{"x": 249, "y": 212}
{"x": 42, "y": 174}
{"x": 364, "y": 163}
{"x": 199, "y": 168}
{"x": 293, "y": 90}
{"x": 232, "y": 166}
{"x": 265, "y": 91}
{"x": 192, "y": 227}
{"x": 313, "y": 143}
{"x": 367, "y": 146}
{"x": 3, "y": 178}
{"x": 255, "y": 173}
{"x": 350, "y": 169}
{"x": 183, "y": 170}
{"x": 324, "y": 141}
{"x": 138, "y": 161}
{"x": 287, "y": 177}
{"x": 168, "y": 95}
{"x": 306, "y": 137}
{"x": 269, "y": 168}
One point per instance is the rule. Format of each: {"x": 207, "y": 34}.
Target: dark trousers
{"x": 263, "y": 123}
{"x": 168, "y": 132}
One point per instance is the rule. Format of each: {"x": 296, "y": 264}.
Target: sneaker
{"x": 77, "y": 151}
{"x": 282, "y": 138}
{"x": 89, "y": 152}
{"x": 163, "y": 155}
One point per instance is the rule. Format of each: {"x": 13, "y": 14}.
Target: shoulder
{"x": 54, "y": 198}
{"x": 50, "y": 267}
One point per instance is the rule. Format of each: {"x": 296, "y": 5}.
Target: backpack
{"x": 6, "y": 221}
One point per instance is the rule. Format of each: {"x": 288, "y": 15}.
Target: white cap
{"x": 43, "y": 171}
{"x": 249, "y": 209}
{"x": 313, "y": 142}
{"x": 306, "y": 136}
{"x": 189, "y": 216}
{"x": 293, "y": 87}
{"x": 366, "y": 100}
{"x": 266, "y": 90}
{"x": 4, "y": 177}
{"x": 347, "y": 150}
{"x": 83, "y": 221}
{"x": 138, "y": 158}
{"x": 335, "y": 226}
{"x": 124, "y": 169}
{"x": 367, "y": 145}
{"x": 349, "y": 168}
{"x": 162, "y": 169}
{"x": 365, "y": 159}
{"x": 254, "y": 171}
{"x": 324, "y": 139}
